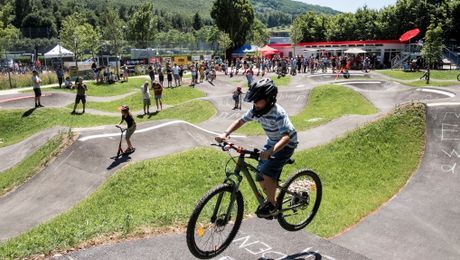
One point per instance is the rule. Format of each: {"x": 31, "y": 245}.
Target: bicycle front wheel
{"x": 299, "y": 200}
{"x": 215, "y": 221}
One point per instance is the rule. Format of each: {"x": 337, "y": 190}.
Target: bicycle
{"x": 216, "y": 219}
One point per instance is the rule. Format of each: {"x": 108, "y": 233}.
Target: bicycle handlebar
{"x": 226, "y": 146}
{"x": 121, "y": 128}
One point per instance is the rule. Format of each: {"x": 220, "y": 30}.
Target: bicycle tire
{"x": 192, "y": 229}
{"x": 458, "y": 77}
{"x": 300, "y": 200}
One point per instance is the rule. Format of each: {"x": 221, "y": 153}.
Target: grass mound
{"x": 325, "y": 103}
{"x": 31, "y": 165}
{"x": 16, "y": 125}
{"x": 359, "y": 172}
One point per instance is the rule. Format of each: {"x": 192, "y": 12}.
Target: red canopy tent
{"x": 409, "y": 35}
{"x": 267, "y": 50}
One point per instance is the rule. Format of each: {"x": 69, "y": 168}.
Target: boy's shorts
{"x": 273, "y": 166}
{"x": 38, "y": 92}
{"x": 146, "y": 101}
{"x": 157, "y": 97}
{"x": 130, "y": 132}
{"x": 81, "y": 98}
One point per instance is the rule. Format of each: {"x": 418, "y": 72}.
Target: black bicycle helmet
{"x": 262, "y": 89}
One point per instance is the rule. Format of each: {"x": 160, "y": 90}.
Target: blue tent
{"x": 246, "y": 48}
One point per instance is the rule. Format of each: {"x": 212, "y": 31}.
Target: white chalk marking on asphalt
{"x": 359, "y": 82}
{"x": 437, "y": 91}
{"x": 86, "y": 138}
{"x": 443, "y": 104}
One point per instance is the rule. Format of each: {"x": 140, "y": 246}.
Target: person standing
{"x": 158, "y": 91}
{"x": 176, "y": 75}
{"x": 146, "y": 97}
{"x": 181, "y": 74}
{"x": 161, "y": 76}
{"x": 81, "y": 95}
{"x": 36, "y": 86}
{"x": 194, "y": 76}
{"x": 125, "y": 73}
{"x": 60, "y": 75}
{"x": 151, "y": 73}
{"x": 249, "y": 75}
{"x": 237, "y": 98}
{"x": 95, "y": 70}
{"x": 169, "y": 75}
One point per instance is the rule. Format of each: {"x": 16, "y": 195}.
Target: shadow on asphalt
{"x": 119, "y": 160}
{"x": 149, "y": 115}
{"x": 29, "y": 112}
{"x": 300, "y": 256}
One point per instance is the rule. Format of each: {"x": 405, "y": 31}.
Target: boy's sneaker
{"x": 267, "y": 210}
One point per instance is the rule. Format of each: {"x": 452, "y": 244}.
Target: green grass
{"x": 435, "y": 74}
{"x": 104, "y": 90}
{"x": 281, "y": 82}
{"x": 170, "y": 97}
{"x": 325, "y": 103}
{"x": 18, "y": 174}
{"x": 359, "y": 172}
{"x": 15, "y": 126}
{"x": 195, "y": 111}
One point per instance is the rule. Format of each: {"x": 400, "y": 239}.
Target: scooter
{"x": 120, "y": 151}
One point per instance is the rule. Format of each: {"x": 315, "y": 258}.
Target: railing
{"x": 452, "y": 56}
{"x": 408, "y": 51}
{"x": 398, "y": 61}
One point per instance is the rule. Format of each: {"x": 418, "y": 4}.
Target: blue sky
{"x": 350, "y": 5}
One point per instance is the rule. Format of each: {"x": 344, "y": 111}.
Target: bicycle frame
{"x": 241, "y": 166}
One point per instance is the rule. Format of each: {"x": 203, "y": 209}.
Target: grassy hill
{"x": 290, "y": 7}
{"x": 203, "y": 7}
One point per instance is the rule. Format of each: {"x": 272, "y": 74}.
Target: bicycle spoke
{"x": 211, "y": 237}
{"x": 299, "y": 200}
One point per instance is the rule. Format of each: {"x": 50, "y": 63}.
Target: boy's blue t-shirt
{"x": 276, "y": 124}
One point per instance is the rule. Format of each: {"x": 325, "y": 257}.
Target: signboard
{"x": 154, "y": 60}
{"x": 196, "y": 58}
{"x": 181, "y": 60}
{"x": 167, "y": 59}
{"x": 207, "y": 57}
{"x": 135, "y": 62}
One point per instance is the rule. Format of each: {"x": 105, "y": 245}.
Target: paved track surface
{"x": 420, "y": 222}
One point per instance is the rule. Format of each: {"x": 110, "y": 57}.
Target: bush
{"x": 25, "y": 80}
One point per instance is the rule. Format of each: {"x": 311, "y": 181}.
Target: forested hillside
{"x": 271, "y": 12}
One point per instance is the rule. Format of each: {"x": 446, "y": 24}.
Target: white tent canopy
{"x": 355, "y": 51}
{"x": 58, "y": 52}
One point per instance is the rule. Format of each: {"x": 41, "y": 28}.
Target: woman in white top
{"x": 146, "y": 97}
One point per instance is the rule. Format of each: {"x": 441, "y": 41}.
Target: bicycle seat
{"x": 290, "y": 161}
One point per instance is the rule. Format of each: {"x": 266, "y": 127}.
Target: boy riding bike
{"x": 281, "y": 141}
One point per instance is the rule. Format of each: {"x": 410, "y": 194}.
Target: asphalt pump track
{"x": 420, "y": 222}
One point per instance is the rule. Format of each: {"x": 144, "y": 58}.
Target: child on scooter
{"x": 131, "y": 126}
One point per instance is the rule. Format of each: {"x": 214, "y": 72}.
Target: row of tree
{"x": 387, "y": 23}
{"x": 111, "y": 29}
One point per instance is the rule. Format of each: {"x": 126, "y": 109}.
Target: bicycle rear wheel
{"x": 208, "y": 231}
{"x": 299, "y": 200}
